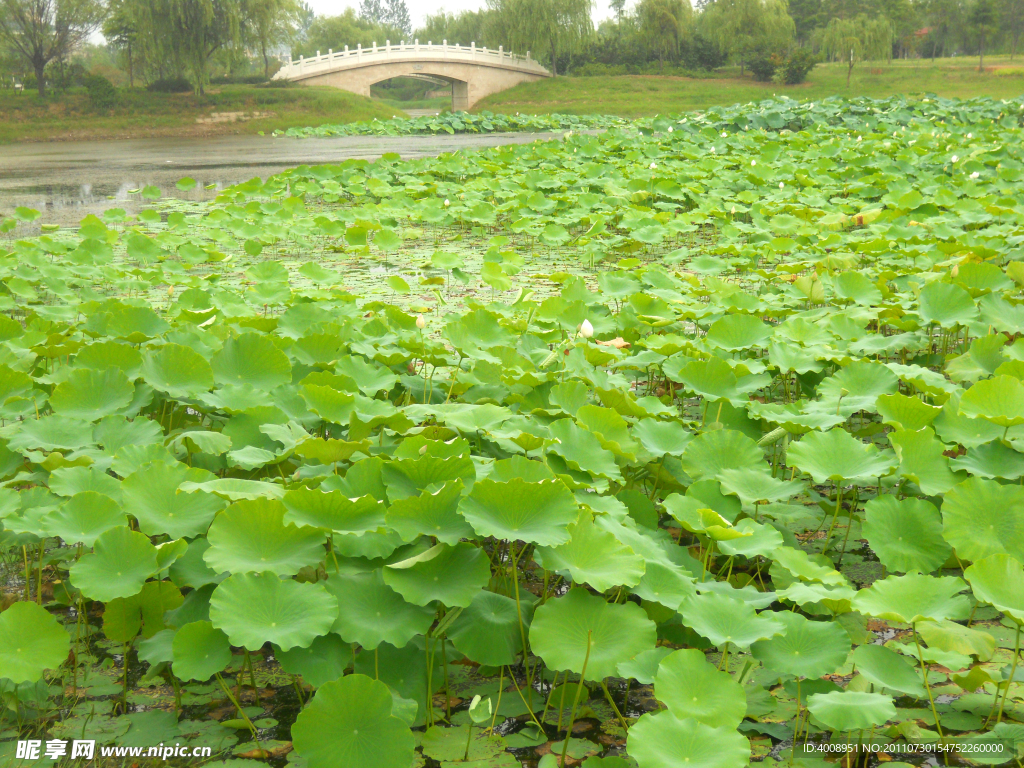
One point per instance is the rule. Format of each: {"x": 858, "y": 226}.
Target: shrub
{"x": 762, "y": 64}
{"x": 102, "y": 92}
{"x": 794, "y": 69}
{"x": 170, "y": 85}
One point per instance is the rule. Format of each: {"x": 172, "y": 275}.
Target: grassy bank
{"x": 223, "y": 110}
{"x": 639, "y": 95}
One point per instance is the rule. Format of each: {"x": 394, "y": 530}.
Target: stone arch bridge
{"x": 473, "y": 72}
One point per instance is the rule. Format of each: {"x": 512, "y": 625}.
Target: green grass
{"x": 639, "y": 95}
{"x": 26, "y": 117}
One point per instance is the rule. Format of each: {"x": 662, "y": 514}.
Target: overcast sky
{"x": 418, "y": 9}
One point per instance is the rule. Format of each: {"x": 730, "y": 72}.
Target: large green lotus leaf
{"x": 691, "y": 687}
{"x": 737, "y": 332}
{"x": 323, "y": 661}
{"x": 234, "y": 489}
{"x": 151, "y": 496}
{"x": 406, "y": 478}
{"x": 328, "y": 403}
{"x": 922, "y": 461}
{"x": 807, "y": 649}
{"x": 711, "y": 379}
{"x": 888, "y": 669}
{"x": 913, "y": 598}
{"x": 582, "y": 450}
{"x": 71, "y": 480}
{"x": 118, "y": 566}
{"x": 851, "y": 710}
{"x": 102, "y": 355}
{"x": 89, "y": 394}
{"x": 199, "y": 651}
{"x": 999, "y": 400}
{"x": 448, "y": 747}
{"x": 999, "y": 581}
{"x": 694, "y": 515}
{"x": 661, "y": 740}
{"x": 83, "y": 517}
{"x": 723, "y": 620}
{"x": 801, "y": 566}
{"x": 863, "y": 383}
{"x": 487, "y": 631}
{"x": 755, "y": 485}
{"x": 857, "y": 288}
{"x": 611, "y": 429}
{"x": 712, "y": 452}
{"x": 432, "y": 514}
{"x": 52, "y": 433}
{"x": 836, "y": 600}
{"x": 178, "y": 370}
{"x": 253, "y": 359}
{"x": 982, "y": 517}
{"x": 332, "y": 511}
{"x": 903, "y": 412}
{"x": 982, "y": 360}
{"x": 953, "y": 427}
{"x": 790, "y": 357}
{"x": 517, "y": 510}
{"x": 950, "y": 637}
{"x": 562, "y": 629}
{"x": 257, "y": 608}
{"x": 665, "y": 584}
{"x": 593, "y": 556}
{"x": 755, "y": 540}
{"x": 252, "y": 536}
{"x": 661, "y": 438}
{"x": 368, "y": 377}
{"x": 905, "y": 534}
{"x": 837, "y": 455}
{"x": 992, "y": 460}
{"x": 451, "y": 575}
{"x": 644, "y": 667}
{"x": 370, "y": 612}
{"x": 349, "y": 722}
{"x": 31, "y": 642}
{"x": 946, "y": 305}
{"x": 532, "y": 471}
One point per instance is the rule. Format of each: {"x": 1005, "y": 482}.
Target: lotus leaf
{"x": 661, "y": 740}
{"x": 905, "y": 534}
{"x": 692, "y": 688}
{"x": 251, "y": 536}
{"x": 913, "y": 598}
{"x": 31, "y": 641}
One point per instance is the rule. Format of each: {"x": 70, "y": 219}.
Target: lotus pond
{"x": 686, "y": 443}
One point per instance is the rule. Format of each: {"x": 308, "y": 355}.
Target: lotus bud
{"x": 653, "y": 166}
{"x": 712, "y": 150}
{"x": 446, "y": 202}
{"x": 420, "y": 322}
{"x": 170, "y": 291}
{"x": 670, "y": 129}
{"x": 753, "y": 163}
{"x": 586, "y": 329}
{"x": 782, "y": 185}
{"x": 956, "y": 270}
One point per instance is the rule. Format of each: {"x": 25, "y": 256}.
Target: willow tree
{"x": 742, "y": 26}
{"x": 192, "y": 31}
{"x": 546, "y": 27}
{"x": 984, "y": 20}
{"x": 664, "y": 25}
{"x": 268, "y": 24}
{"x": 39, "y": 31}
{"x": 857, "y": 39}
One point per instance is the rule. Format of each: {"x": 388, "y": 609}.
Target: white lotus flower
{"x": 713, "y": 150}
{"x": 653, "y": 166}
{"x": 420, "y": 322}
{"x": 586, "y": 329}
{"x": 670, "y": 129}
{"x": 954, "y": 158}
{"x": 724, "y": 134}
{"x": 970, "y": 135}
{"x": 753, "y": 163}
{"x": 446, "y": 202}
{"x": 781, "y": 185}
{"x": 975, "y": 175}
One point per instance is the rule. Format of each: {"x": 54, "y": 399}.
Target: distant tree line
{"x": 187, "y": 41}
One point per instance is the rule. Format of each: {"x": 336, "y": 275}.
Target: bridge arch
{"x": 473, "y": 72}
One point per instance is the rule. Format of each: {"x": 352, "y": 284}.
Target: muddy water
{"x": 67, "y": 180}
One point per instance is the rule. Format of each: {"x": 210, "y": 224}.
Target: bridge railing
{"x": 359, "y": 56}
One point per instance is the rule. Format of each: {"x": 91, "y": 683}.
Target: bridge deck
{"x": 333, "y": 61}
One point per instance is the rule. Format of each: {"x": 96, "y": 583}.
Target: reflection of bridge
{"x": 473, "y": 72}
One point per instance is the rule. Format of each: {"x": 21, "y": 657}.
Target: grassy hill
{"x": 639, "y": 95}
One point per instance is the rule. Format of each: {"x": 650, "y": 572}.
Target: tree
{"x": 547, "y": 27}
{"x": 943, "y": 16}
{"x": 463, "y": 28}
{"x": 663, "y": 25}
{"x": 372, "y": 11}
{"x": 335, "y": 32}
{"x": 858, "y": 39}
{"x": 983, "y": 18}
{"x": 742, "y": 26}
{"x": 121, "y": 29}
{"x": 396, "y": 15}
{"x": 268, "y": 24}
{"x": 39, "y": 31}
{"x": 1011, "y": 15}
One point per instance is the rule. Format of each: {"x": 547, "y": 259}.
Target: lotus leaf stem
{"x": 576, "y": 700}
